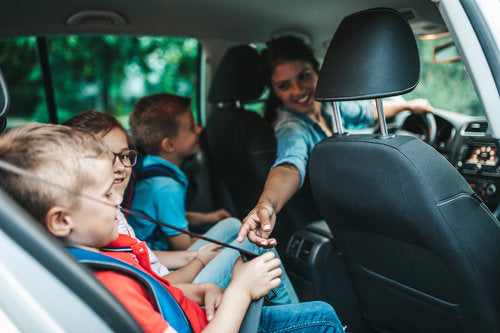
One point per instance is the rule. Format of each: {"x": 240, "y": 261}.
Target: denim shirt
{"x": 161, "y": 198}
{"x": 297, "y": 134}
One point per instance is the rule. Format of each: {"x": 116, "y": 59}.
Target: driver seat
{"x": 421, "y": 249}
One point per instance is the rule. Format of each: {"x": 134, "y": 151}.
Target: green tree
{"x": 97, "y": 72}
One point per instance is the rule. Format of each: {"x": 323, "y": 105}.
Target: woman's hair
{"x": 280, "y": 50}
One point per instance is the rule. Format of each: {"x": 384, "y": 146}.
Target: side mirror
{"x": 445, "y": 53}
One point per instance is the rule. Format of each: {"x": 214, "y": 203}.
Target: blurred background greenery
{"x": 107, "y": 73}
{"x": 110, "y": 73}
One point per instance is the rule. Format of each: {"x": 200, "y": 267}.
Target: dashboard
{"x": 469, "y": 146}
{"x": 476, "y": 159}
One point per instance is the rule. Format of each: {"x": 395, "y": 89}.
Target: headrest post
{"x": 384, "y": 134}
{"x": 337, "y": 119}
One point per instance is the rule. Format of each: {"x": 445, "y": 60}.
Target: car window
{"x": 106, "y": 73}
{"x": 447, "y": 85}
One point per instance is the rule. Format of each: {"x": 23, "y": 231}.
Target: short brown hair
{"x": 155, "y": 117}
{"x": 96, "y": 122}
{"x": 55, "y": 153}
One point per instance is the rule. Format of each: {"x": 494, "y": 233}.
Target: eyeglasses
{"x": 127, "y": 157}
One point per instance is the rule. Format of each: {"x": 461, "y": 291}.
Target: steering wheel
{"x": 430, "y": 122}
{"x": 421, "y": 125}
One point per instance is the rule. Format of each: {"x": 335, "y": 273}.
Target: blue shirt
{"x": 161, "y": 198}
{"x": 297, "y": 134}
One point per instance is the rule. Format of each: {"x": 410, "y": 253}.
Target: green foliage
{"x": 106, "y": 73}
{"x": 447, "y": 86}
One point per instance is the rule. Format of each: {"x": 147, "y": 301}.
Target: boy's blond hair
{"x": 155, "y": 117}
{"x": 55, "y": 153}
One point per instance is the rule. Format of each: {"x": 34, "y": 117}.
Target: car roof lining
{"x": 224, "y": 19}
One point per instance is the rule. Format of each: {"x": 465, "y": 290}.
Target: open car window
{"x": 106, "y": 73}
{"x": 446, "y": 85}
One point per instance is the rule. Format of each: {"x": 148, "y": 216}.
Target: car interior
{"x": 396, "y": 226}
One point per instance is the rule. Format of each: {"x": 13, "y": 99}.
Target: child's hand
{"x": 207, "y": 252}
{"x": 217, "y": 215}
{"x": 257, "y": 276}
{"x": 212, "y": 298}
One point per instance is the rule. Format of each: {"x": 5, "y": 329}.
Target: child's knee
{"x": 231, "y": 225}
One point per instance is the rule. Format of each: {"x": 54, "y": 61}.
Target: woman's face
{"x": 294, "y": 82}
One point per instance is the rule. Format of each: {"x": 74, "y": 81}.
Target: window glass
{"x": 22, "y": 73}
{"x": 447, "y": 86}
{"x": 107, "y": 73}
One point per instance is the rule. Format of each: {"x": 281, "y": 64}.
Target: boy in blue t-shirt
{"x": 163, "y": 126}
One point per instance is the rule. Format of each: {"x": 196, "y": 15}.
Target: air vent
{"x": 293, "y": 246}
{"x": 475, "y": 129}
{"x": 305, "y": 250}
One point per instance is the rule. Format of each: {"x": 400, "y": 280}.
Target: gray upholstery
{"x": 422, "y": 250}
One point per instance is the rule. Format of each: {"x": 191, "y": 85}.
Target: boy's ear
{"x": 167, "y": 145}
{"x": 57, "y": 221}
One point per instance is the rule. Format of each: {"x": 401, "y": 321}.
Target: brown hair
{"x": 155, "y": 117}
{"x": 279, "y": 50}
{"x": 55, "y": 153}
{"x": 96, "y": 122}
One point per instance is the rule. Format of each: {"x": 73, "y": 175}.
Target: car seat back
{"x": 164, "y": 301}
{"x": 422, "y": 250}
{"x": 242, "y": 145}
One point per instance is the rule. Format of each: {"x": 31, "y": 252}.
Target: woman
{"x": 300, "y": 122}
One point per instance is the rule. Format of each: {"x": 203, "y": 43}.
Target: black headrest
{"x": 373, "y": 54}
{"x": 237, "y": 77}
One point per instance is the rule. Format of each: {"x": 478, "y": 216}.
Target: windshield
{"x": 447, "y": 85}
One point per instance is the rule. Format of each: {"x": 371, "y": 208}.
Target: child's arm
{"x": 179, "y": 259}
{"x": 180, "y": 241}
{"x": 199, "y": 219}
{"x": 175, "y": 259}
{"x": 250, "y": 281}
{"x": 202, "y": 257}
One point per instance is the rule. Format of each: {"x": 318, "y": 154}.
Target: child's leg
{"x": 219, "y": 270}
{"x": 303, "y": 317}
{"x": 223, "y": 231}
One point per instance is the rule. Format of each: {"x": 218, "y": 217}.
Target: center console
{"x": 478, "y": 161}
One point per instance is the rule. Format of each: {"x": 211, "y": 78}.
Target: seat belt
{"x": 164, "y": 301}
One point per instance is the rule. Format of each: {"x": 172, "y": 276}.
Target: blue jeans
{"x": 314, "y": 317}
{"x": 219, "y": 270}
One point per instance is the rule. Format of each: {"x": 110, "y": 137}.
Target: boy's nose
{"x": 198, "y": 129}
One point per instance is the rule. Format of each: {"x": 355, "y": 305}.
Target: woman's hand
{"x": 207, "y": 252}
{"x": 420, "y": 105}
{"x": 256, "y": 277}
{"x": 258, "y": 225}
